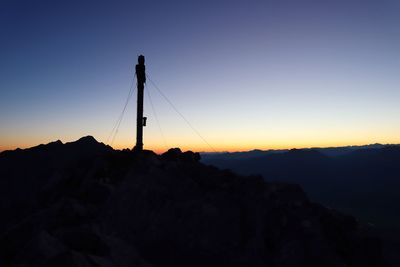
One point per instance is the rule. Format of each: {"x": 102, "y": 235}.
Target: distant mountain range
{"x": 363, "y": 180}
{"x": 329, "y": 151}
{"x": 85, "y": 204}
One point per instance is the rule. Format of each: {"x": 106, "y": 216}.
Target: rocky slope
{"x": 84, "y": 204}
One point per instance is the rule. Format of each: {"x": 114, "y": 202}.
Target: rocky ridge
{"x": 85, "y": 204}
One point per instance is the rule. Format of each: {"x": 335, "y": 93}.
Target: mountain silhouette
{"x": 85, "y": 204}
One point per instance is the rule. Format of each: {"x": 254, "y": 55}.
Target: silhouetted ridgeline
{"x": 84, "y": 204}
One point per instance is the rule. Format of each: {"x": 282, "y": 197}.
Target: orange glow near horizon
{"x": 224, "y": 146}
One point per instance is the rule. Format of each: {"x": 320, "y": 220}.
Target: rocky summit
{"x": 85, "y": 204}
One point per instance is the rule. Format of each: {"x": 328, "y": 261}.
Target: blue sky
{"x": 246, "y": 74}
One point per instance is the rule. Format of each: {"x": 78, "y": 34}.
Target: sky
{"x": 244, "y": 74}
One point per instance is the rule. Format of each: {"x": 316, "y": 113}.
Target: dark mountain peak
{"x": 33, "y": 150}
{"x": 87, "y": 145}
{"x": 87, "y": 140}
{"x": 50, "y": 145}
{"x": 376, "y": 144}
{"x": 52, "y": 156}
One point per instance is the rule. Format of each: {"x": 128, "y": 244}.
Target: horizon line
{"x": 161, "y": 150}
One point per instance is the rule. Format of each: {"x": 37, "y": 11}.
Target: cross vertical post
{"x": 140, "y": 121}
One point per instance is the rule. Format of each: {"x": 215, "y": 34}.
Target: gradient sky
{"x": 246, "y": 74}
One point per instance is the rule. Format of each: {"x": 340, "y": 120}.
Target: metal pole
{"x": 141, "y": 79}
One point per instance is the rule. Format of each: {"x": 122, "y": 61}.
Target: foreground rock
{"x": 119, "y": 208}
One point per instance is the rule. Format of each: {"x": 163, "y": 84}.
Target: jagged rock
{"x": 172, "y": 154}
